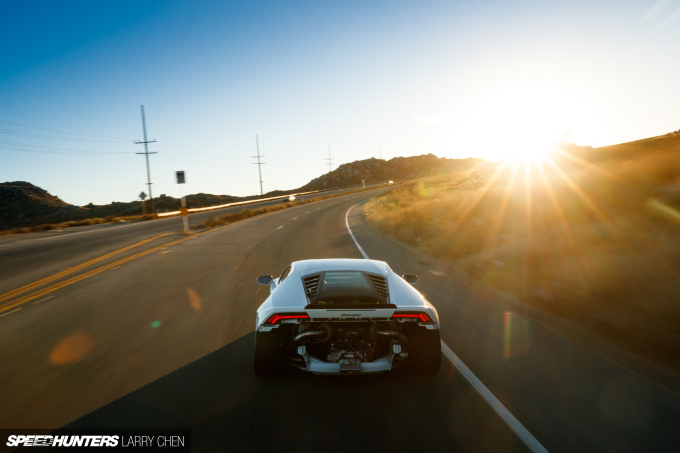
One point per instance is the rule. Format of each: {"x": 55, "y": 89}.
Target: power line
{"x": 53, "y": 137}
{"x": 297, "y": 161}
{"x": 185, "y": 155}
{"x": 259, "y": 164}
{"x": 54, "y": 130}
{"x": 203, "y": 154}
{"x": 6, "y": 148}
{"x": 17, "y": 146}
{"x": 196, "y": 162}
{"x": 146, "y": 153}
{"x": 295, "y": 165}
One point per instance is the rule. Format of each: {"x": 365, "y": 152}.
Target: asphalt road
{"x": 29, "y": 257}
{"x": 163, "y": 337}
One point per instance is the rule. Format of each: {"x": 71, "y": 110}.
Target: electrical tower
{"x": 258, "y": 163}
{"x": 146, "y": 153}
{"x": 330, "y": 166}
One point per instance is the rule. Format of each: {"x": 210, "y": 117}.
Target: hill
{"x": 588, "y": 234}
{"x": 20, "y": 202}
{"x": 399, "y": 168}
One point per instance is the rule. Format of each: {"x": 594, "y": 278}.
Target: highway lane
{"x": 30, "y": 257}
{"x": 166, "y": 340}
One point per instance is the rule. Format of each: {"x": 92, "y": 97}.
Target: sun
{"x": 528, "y": 149}
{"x": 518, "y": 121}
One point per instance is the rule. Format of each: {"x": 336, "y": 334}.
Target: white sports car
{"x": 345, "y": 316}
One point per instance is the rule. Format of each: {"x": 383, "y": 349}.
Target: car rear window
{"x": 343, "y": 279}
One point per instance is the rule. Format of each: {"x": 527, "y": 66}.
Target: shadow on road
{"x": 228, "y": 409}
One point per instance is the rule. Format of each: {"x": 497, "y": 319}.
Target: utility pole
{"x": 258, "y": 163}
{"x": 330, "y": 166}
{"x": 146, "y": 152}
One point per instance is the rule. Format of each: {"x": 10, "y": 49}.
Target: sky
{"x": 485, "y": 79}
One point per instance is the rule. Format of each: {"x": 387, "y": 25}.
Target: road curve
{"x": 166, "y": 340}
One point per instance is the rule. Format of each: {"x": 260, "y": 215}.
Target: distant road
{"x": 165, "y": 339}
{"x": 35, "y": 256}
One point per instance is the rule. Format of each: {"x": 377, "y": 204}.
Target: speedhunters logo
{"x": 177, "y": 440}
{"x": 62, "y": 441}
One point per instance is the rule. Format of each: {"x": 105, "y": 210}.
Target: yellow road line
{"x": 70, "y": 270}
{"x": 93, "y": 272}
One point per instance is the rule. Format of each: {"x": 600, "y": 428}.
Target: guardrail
{"x": 239, "y": 203}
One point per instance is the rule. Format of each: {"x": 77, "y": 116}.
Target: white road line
{"x": 515, "y": 425}
{"x": 10, "y": 312}
{"x": 294, "y": 218}
{"x": 280, "y": 227}
{"x": 350, "y": 231}
{"x": 117, "y": 267}
{"x": 42, "y": 300}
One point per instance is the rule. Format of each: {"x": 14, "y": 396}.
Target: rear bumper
{"x": 377, "y": 366}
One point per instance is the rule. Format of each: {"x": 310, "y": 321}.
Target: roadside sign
{"x": 183, "y": 209}
{"x": 142, "y": 195}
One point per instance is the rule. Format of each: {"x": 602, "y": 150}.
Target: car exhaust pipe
{"x": 391, "y": 333}
{"x": 374, "y": 331}
{"x": 325, "y": 331}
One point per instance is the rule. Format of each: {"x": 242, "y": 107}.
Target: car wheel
{"x": 269, "y": 360}
{"x": 426, "y": 352}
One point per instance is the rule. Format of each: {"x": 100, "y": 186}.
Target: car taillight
{"x": 273, "y": 319}
{"x": 423, "y": 316}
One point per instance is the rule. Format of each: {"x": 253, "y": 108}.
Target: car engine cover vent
{"x": 380, "y": 284}
{"x": 311, "y": 285}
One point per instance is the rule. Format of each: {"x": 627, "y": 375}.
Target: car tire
{"x": 269, "y": 360}
{"x": 426, "y": 352}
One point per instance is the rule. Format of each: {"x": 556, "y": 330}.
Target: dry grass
{"x": 76, "y": 223}
{"x": 598, "y": 243}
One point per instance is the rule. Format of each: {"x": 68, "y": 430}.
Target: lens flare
{"x": 194, "y": 299}
{"x": 72, "y": 349}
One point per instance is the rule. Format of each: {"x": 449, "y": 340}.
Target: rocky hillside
{"x": 400, "y": 168}
{"x": 20, "y": 202}
{"x": 23, "y": 205}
